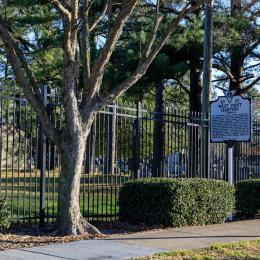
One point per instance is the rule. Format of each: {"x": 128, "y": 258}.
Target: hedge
{"x": 175, "y": 202}
{"x": 247, "y": 198}
{"x": 5, "y": 219}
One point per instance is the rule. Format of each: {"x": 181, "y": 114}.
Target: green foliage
{"x": 247, "y": 197}
{"x": 189, "y": 37}
{"x": 233, "y": 32}
{"x": 5, "y": 219}
{"x": 176, "y": 202}
{"x": 37, "y": 29}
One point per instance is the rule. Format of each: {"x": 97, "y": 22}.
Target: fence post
{"x": 111, "y": 137}
{"x": 137, "y": 141}
{"x": 159, "y": 133}
{"x": 43, "y": 163}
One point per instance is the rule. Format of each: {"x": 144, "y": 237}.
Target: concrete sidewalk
{"x": 194, "y": 237}
{"x": 141, "y": 244}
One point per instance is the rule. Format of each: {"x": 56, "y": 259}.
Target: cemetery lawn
{"x": 237, "y": 250}
{"x": 98, "y": 194}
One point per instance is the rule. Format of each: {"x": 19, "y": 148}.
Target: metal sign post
{"x": 230, "y": 122}
{"x": 230, "y": 147}
{"x": 207, "y": 82}
{"x": 230, "y": 163}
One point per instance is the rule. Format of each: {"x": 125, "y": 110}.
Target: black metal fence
{"x": 125, "y": 142}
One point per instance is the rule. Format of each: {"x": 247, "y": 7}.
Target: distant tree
{"x": 237, "y": 38}
{"x": 235, "y": 47}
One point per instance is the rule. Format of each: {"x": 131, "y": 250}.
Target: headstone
{"x": 15, "y": 148}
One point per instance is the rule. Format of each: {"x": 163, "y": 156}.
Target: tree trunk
{"x": 236, "y": 64}
{"x": 195, "y": 67}
{"x": 237, "y": 53}
{"x": 195, "y": 108}
{"x": 70, "y": 220}
{"x": 195, "y": 86}
{"x": 158, "y": 136}
{"x": 237, "y": 61}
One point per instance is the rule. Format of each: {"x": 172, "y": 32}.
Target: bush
{"x": 5, "y": 220}
{"x": 247, "y": 198}
{"x": 175, "y": 202}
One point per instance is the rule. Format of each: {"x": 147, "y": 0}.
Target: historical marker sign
{"x": 230, "y": 119}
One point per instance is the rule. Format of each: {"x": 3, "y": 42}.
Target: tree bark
{"x": 158, "y": 136}
{"x": 195, "y": 108}
{"x": 237, "y": 54}
{"x": 70, "y": 220}
{"x": 195, "y": 86}
{"x": 73, "y": 147}
{"x": 195, "y": 73}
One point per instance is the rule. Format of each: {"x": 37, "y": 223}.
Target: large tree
{"x": 237, "y": 38}
{"x": 71, "y": 140}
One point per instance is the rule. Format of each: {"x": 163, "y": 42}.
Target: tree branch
{"x": 84, "y": 14}
{"x": 97, "y": 71}
{"x": 249, "y": 5}
{"x": 183, "y": 86}
{"x": 252, "y": 66}
{"x": 21, "y": 79}
{"x": 61, "y": 8}
{"x": 99, "y": 18}
{"x": 146, "y": 61}
{"x": 223, "y": 89}
{"x": 109, "y": 13}
{"x": 252, "y": 84}
{"x": 221, "y": 68}
{"x": 28, "y": 70}
{"x": 157, "y": 22}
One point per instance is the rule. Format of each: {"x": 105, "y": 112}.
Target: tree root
{"x": 87, "y": 227}
{"x": 81, "y": 226}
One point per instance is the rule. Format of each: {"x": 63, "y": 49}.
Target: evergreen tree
{"x": 237, "y": 37}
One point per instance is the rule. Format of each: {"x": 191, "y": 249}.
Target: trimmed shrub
{"x": 5, "y": 219}
{"x": 247, "y": 198}
{"x": 175, "y": 202}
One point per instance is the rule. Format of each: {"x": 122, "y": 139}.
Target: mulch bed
{"x": 23, "y": 237}
{"x": 30, "y": 236}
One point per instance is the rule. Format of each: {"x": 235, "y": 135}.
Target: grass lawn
{"x": 91, "y": 204}
{"x": 247, "y": 250}
{"x": 98, "y": 194}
